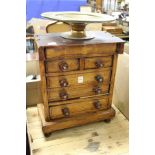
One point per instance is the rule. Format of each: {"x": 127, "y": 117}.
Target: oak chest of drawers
{"x": 77, "y": 79}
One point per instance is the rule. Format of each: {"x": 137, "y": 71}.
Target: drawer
{"x": 98, "y": 62}
{"x": 80, "y": 50}
{"x": 95, "y": 77}
{"x": 62, "y": 65}
{"x": 59, "y": 94}
{"x": 72, "y": 108}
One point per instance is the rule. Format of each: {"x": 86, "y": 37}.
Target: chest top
{"x": 52, "y": 45}
{"x": 54, "y": 39}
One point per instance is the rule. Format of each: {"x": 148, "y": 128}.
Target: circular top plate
{"x": 78, "y": 17}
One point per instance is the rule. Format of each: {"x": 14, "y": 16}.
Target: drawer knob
{"x": 63, "y": 83}
{"x": 97, "y": 104}
{"x": 99, "y": 78}
{"x": 63, "y": 66}
{"x": 97, "y": 90}
{"x": 65, "y": 111}
{"x": 63, "y": 95}
{"x": 99, "y": 64}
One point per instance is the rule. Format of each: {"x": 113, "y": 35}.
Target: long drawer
{"x": 93, "y": 78}
{"x": 59, "y": 94}
{"x": 76, "y": 107}
{"x": 86, "y": 50}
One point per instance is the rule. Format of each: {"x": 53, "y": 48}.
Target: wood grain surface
{"x": 79, "y": 107}
{"x": 75, "y": 92}
{"x": 80, "y": 50}
{"x": 55, "y": 40}
{"x": 74, "y": 79}
{"x": 90, "y": 63}
{"x": 54, "y": 66}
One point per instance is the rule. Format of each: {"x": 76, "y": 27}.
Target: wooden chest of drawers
{"x": 77, "y": 79}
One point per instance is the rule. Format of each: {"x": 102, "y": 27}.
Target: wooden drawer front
{"x": 98, "y": 62}
{"x": 78, "y": 107}
{"x": 58, "y": 94}
{"x": 79, "y": 79}
{"x": 62, "y": 65}
{"x": 93, "y": 50}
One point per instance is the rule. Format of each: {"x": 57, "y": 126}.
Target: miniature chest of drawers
{"x": 77, "y": 78}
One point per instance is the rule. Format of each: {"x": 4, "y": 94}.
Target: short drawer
{"x": 95, "y": 77}
{"x": 72, "y": 108}
{"x": 60, "y": 94}
{"x": 62, "y": 65}
{"x": 98, "y": 62}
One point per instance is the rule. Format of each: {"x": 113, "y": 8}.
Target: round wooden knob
{"x": 63, "y": 83}
{"x": 99, "y": 64}
{"x": 63, "y": 95}
{"x": 97, "y": 104}
{"x": 99, "y": 78}
{"x": 65, "y": 111}
{"x": 97, "y": 90}
{"x": 63, "y": 66}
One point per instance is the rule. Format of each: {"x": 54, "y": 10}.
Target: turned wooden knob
{"x": 99, "y": 78}
{"x": 63, "y": 83}
{"x": 63, "y": 66}
{"x": 63, "y": 95}
{"x": 97, "y": 104}
{"x": 65, "y": 111}
{"x": 97, "y": 90}
{"x": 99, "y": 64}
